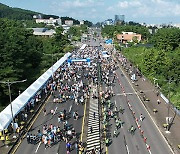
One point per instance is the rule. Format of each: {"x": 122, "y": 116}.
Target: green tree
{"x": 161, "y": 64}
{"x": 167, "y": 38}
{"x": 20, "y": 56}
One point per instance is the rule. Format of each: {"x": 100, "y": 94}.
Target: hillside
{"x": 19, "y": 14}
{"x": 22, "y": 14}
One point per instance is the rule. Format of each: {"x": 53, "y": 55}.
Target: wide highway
{"x": 146, "y": 138}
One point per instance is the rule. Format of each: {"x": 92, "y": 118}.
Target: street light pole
{"x": 169, "y": 103}
{"x": 155, "y": 81}
{"x": 10, "y": 98}
{"x": 168, "y": 118}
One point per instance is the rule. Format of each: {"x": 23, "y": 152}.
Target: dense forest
{"x": 161, "y": 61}
{"x": 21, "y": 55}
{"x": 27, "y": 16}
{"x": 25, "y": 56}
{"x": 20, "y": 14}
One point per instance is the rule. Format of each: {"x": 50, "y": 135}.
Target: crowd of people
{"x": 111, "y": 111}
{"x": 69, "y": 84}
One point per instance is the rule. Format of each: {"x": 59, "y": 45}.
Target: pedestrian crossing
{"x": 93, "y": 137}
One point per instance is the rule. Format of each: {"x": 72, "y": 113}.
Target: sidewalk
{"x": 8, "y": 147}
{"x": 159, "y": 117}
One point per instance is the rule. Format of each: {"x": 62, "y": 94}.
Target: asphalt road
{"x": 59, "y": 147}
{"x": 69, "y": 105}
{"x": 135, "y": 143}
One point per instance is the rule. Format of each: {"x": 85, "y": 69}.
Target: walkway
{"x": 93, "y": 137}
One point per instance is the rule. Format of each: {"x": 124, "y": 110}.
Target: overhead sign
{"x": 88, "y": 60}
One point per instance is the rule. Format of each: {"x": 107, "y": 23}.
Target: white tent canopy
{"x": 22, "y": 100}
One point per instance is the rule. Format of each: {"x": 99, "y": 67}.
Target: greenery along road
{"x": 21, "y": 55}
{"x": 25, "y": 56}
{"x": 161, "y": 61}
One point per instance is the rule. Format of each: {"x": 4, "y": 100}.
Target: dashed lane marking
{"x": 146, "y": 109}
{"x": 38, "y": 147}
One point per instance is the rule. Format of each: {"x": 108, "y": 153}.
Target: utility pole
{"x": 9, "y": 83}
{"x": 169, "y": 82}
{"x": 168, "y": 118}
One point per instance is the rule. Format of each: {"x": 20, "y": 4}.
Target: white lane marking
{"x": 122, "y": 94}
{"x": 70, "y": 108}
{"x": 147, "y": 112}
{"x": 135, "y": 93}
{"x": 127, "y": 149}
{"x": 38, "y": 147}
{"x": 149, "y": 149}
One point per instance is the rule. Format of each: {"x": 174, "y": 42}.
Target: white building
{"x": 109, "y": 22}
{"x": 43, "y": 32}
{"x": 82, "y": 22}
{"x": 50, "y": 21}
{"x": 69, "y": 22}
{"x": 176, "y": 25}
{"x": 66, "y": 28}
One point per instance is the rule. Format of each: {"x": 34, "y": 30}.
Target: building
{"x": 43, "y": 32}
{"x": 119, "y": 19}
{"x": 37, "y": 16}
{"x": 153, "y": 30}
{"x": 50, "y": 21}
{"x": 68, "y": 22}
{"x": 176, "y": 25}
{"x": 108, "y": 22}
{"x": 66, "y": 28}
{"x": 128, "y": 37}
{"x": 82, "y": 22}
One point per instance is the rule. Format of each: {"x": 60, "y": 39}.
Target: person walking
{"x": 132, "y": 130}
{"x": 26, "y": 116}
{"x": 44, "y": 111}
{"x": 91, "y": 129}
{"x": 52, "y": 111}
{"x": 94, "y": 115}
{"x": 68, "y": 147}
{"x": 45, "y": 142}
{"x": 141, "y": 117}
{"x": 115, "y": 133}
{"x": 34, "y": 139}
{"x": 28, "y": 137}
{"x": 49, "y": 143}
{"x": 158, "y": 102}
